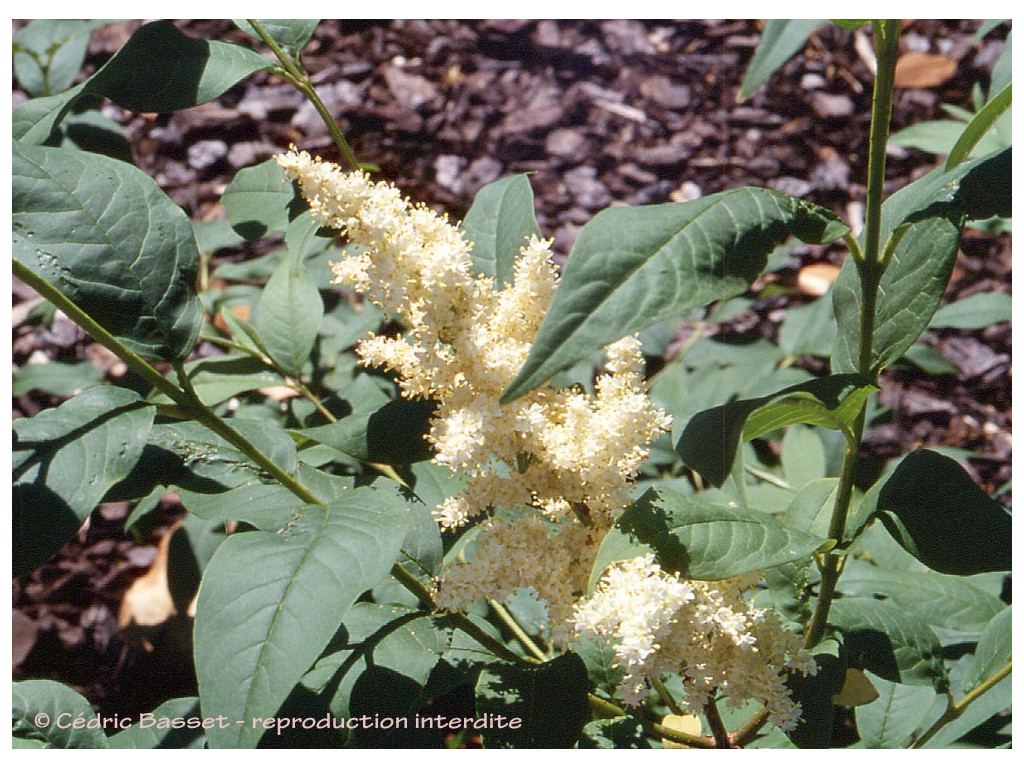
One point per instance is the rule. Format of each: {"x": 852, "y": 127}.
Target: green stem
{"x": 666, "y": 697}
{"x": 869, "y": 267}
{"x": 294, "y": 74}
{"x": 955, "y": 709}
{"x": 516, "y": 629}
{"x": 721, "y": 734}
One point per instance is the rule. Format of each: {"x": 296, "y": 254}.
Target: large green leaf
{"x": 950, "y": 602}
{"x": 259, "y": 200}
{"x": 109, "y": 239}
{"x": 979, "y": 310}
{"x": 934, "y": 510}
{"x": 175, "y": 724}
{"x": 700, "y": 539}
{"x": 896, "y": 717}
{"x": 544, "y": 706}
{"x": 160, "y": 69}
{"x": 46, "y": 714}
{"x": 709, "y": 441}
{"x": 994, "y": 651}
{"x": 979, "y": 126}
{"x": 893, "y": 644}
{"x": 270, "y": 603}
{"x": 64, "y": 460}
{"x": 216, "y": 379}
{"x": 633, "y": 267}
{"x": 379, "y": 664}
{"x": 391, "y": 433}
{"x": 924, "y": 221}
{"x": 290, "y": 34}
{"x": 995, "y": 704}
{"x": 780, "y": 40}
{"x": 498, "y": 224}
{"x": 289, "y": 315}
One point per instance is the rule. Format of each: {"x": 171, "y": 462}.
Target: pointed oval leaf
{"x": 260, "y": 200}
{"x": 109, "y": 239}
{"x": 43, "y": 713}
{"x": 160, "y": 69}
{"x": 270, "y": 602}
{"x": 896, "y": 717}
{"x": 700, "y": 540}
{"x": 994, "y": 651}
{"x": 289, "y": 315}
{"x": 709, "y": 441}
{"x": 64, "y": 461}
{"x": 498, "y": 224}
{"x": 169, "y": 726}
{"x": 780, "y": 40}
{"x": 924, "y": 221}
{"x": 932, "y": 507}
{"x": 633, "y": 267}
{"x": 893, "y": 644}
{"x": 544, "y": 706}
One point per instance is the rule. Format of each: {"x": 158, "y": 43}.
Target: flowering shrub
{"x": 462, "y": 519}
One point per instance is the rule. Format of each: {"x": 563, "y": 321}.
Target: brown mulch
{"x": 600, "y": 112}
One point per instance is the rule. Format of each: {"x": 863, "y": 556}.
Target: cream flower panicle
{"x": 704, "y": 631}
{"x": 551, "y": 470}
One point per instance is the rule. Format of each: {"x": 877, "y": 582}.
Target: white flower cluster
{"x": 551, "y": 469}
{"x": 704, "y": 631}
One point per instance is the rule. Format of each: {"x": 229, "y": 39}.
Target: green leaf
{"x": 289, "y": 315}
{"x": 939, "y": 600}
{"x": 624, "y": 732}
{"x": 169, "y": 726}
{"x": 934, "y": 510}
{"x": 64, "y": 460}
{"x": 994, "y": 651}
{"x": 997, "y": 701}
{"x": 633, "y": 267}
{"x": 709, "y": 441}
{"x": 893, "y": 644}
{"x": 930, "y": 360}
{"x": 392, "y": 433}
{"x": 603, "y": 668}
{"x": 290, "y": 34}
{"x": 699, "y": 539}
{"x": 780, "y": 39}
{"x": 109, "y": 239}
{"x": 270, "y": 603}
{"x": 379, "y": 663}
{"x": 260, "y": 200}
{"x": 193, "y": 457}
{"x": 45, "y": 712}
{"x": 813, "y": 693}
{"x": 896, "y": 717}
{"x": 49, "y": 53}
{"x": 160, "y": 69}
{"x": 544, "y": 706}
{"x": 498, "y": 224}
{"x": 809, "y": 329}
{"x": 979, "y": 310}
{"x": 921, "y": 226}
{"x": 803, "y": 456}
{"x": 979, "y": 126}
{"x": 35, "y": 121}
{"x": 60, "y": 379}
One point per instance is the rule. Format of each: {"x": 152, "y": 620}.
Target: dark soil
{"x": 600, "y": 112}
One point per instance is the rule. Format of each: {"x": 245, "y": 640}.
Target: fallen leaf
{"x": 923, "y": 70}
{"x": 815, "y": 279}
